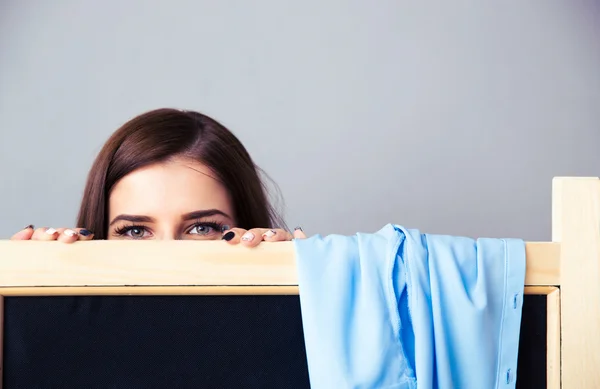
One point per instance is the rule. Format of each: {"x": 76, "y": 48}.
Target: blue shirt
{"x": 401, "y": 309}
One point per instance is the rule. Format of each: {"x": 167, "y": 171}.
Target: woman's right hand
{"x": 66, "y": 235}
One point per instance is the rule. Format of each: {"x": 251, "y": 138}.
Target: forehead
{"x": 167, "y": 190}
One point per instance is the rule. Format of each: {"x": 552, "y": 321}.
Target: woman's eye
{"x": 136, "y": 232}
{"x": 202, "y": 229}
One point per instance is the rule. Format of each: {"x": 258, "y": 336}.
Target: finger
{"x": 233, "y": 235}
{"x": 71, "y": 235}
{"x": 276, "y": 235}
{"x": 24, "y": 234}
{"x": 252, "y": 237}
{"x": 67, "y": 235}
{"x": 298, "y": 233}
{"x": 84, "y": 234}
{"x": 44, "y": 233}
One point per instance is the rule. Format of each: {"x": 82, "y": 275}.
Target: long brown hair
{"x": 161, "y": 134}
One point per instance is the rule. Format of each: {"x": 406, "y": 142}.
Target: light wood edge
{"x": 553, "y": 340}
{"x": 540, "y": 290}
{"x": 117, "y": 264}
{"x": 180, "y": 290}
{"x": 149, "y": 290}
{"x": 576, "y": 225}
{"x": 552, "y": 294}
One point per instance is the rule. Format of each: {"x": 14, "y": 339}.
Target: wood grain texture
{"x": 553, "y": 340}
{"x": 181, "y": 263}
{"x": 543, "y": 264}
{"x": 148, "y": 263}
{"x": 576, "y": 225}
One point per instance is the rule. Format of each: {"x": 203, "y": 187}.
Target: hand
{"x": 66, "y": 235}
{"x": 253, "y": 237}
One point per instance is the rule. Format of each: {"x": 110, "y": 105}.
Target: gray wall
{"x": 451, "y": 118}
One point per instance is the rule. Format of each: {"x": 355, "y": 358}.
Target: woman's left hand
{"x": 253, "y": 237}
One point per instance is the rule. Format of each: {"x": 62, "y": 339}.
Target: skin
{"x": 175, "y": 200}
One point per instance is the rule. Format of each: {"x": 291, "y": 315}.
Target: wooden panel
{"x": 186, "y": 268}
{"x": 553, "y": 341}
{"x": 179, "y": 263}
{"x": 576, "y": 225}
{"x": 543, "y": 263}
{"x": 156, "y": 263}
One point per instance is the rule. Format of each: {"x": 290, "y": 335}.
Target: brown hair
{"x": 161, "y": 134}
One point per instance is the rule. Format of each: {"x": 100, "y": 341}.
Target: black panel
{"x": 531, "y": 369}
{"x": 154, "y": 342}
{"x": 184, "y": 342}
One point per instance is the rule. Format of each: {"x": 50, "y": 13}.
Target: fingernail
{"x": 298, "y": 228}
{"x": 50, "y": 231}
{"x": 70, "y": 233}
{"x": 228, "y": 236}
{"x": 269, "y": 233}
{"x": 85, "y": 232}
{"x": 29, "y": 226}
{"x": 248, "y": 236}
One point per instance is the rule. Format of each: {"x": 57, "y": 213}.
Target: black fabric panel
{"x": 154, "y": 342}
{"x": 184, "y": 342}
{"x": 531, "y": 369}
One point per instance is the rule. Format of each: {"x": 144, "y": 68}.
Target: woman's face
{"x": 178, "y": 199}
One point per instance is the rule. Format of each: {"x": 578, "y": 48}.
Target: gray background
{"x": 450, "y": 117}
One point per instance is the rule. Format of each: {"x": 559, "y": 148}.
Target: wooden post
{"x": 576, "y": 225}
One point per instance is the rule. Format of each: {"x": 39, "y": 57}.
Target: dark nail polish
{"x": 29, "y": 226}
{"x": 228, "y": 236}
{"x": 298, "y": 228}
{"x": 85, "y": 232}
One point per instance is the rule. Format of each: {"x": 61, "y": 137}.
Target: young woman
{"x": 166, "y": 174}
{"x": 171, "y": 174}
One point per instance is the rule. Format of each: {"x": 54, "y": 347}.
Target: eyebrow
{"x": 204, "y": 213}
{"x": 188, "y": 216}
